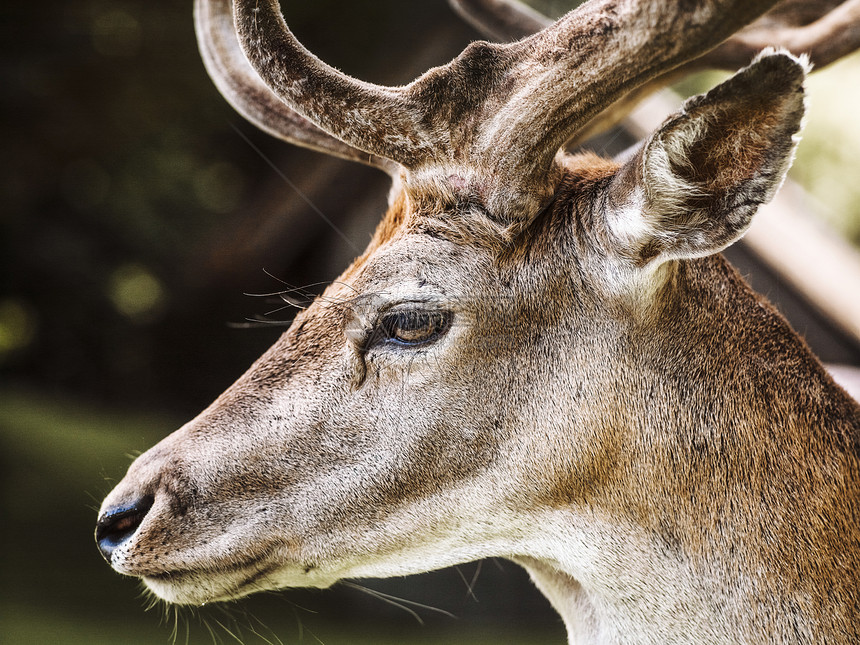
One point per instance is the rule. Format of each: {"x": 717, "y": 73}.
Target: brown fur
{"x": 609, "y": 404}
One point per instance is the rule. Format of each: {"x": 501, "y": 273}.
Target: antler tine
{"x": 501, "y": 20}
{"x": 599, "y": 52}
{"x": 245, "y": 91}
{"x": 825, "y": 30}
{"x": 376, "y": 119}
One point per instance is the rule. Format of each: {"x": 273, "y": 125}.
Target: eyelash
{"x": 409, "y": 328}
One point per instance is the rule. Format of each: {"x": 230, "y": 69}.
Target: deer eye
{"x": 411, "y": 327}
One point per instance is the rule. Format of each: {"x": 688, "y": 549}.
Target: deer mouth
{"x": 231, "y": 582}
{"x": 197, "y": 587}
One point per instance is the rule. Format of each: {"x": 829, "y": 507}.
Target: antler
{"x": 494, "y": 118}
{"x": 825, "y": 30}
{"x": 245, "y": 91}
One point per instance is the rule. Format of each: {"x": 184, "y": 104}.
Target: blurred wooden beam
{"x": 848, "y": 377}
{"x": 817, "y": 262}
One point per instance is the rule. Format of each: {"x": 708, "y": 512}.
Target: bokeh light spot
{"x": 18, "y": 327}
{"x": 136, "y": 293}
{"x": 218, "y": 186}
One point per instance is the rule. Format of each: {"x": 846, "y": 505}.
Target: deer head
{"x": 540, "y": 356}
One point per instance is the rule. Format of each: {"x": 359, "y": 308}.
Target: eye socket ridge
{"x": 410, "y": 327}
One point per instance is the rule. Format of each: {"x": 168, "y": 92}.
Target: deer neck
{"x": 712, "y": 457}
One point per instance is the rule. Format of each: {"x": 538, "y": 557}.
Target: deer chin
{"x": 209, "y": 586}
{"x": 202, "y": 588}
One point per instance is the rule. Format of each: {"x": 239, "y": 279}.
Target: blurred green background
{"x": 135, "y": 216}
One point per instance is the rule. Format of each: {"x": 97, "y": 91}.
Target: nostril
{"x": 118, "y": 524}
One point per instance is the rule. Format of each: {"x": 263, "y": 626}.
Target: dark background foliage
{"x": 132, "y": 220}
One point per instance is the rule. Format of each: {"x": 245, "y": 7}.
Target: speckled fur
{"x": 612, "y": 407}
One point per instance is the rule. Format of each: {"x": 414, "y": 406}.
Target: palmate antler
{"x": 824, "y": 30}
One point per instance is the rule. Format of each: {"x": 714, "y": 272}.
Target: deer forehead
{"x": 442, "y": 228}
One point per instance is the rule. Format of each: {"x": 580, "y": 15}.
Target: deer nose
{"x": 116, "y": 525}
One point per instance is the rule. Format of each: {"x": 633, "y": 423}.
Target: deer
{"x": 541, "y": 356}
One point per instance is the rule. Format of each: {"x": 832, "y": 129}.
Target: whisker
{"x": 271, "y": 294}
{"x": 295, "y": 302}
{"x": 174, "y": 631}
{"x": 274, "y": 311}
{"x": 250, "y": 619}
{"x": 478, "y": 568}
{"x": 470, "y": 584}
{"x": 259, "y": 324}
{"x": 344, "y": 284}
{"x": 390, "y": 601}
{"x": 229, "y": 633}
{"x": 291, "y": 287}
{"x": 302, "y": 300}
{"x": 215, "y": 639}
{"x": 284, "y": 296}
{"x": 274, "y": 277}
{"x": 299, "y": 623}
{"x": 401, "y": 603}
{"x": 187, "y": 625}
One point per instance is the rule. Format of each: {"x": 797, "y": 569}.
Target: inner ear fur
{"x": 696, "y": 183}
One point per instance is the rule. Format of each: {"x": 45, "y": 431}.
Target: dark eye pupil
{"x": 414, "y": 327}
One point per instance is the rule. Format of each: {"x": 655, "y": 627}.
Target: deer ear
{"x": 696, "y": 183}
